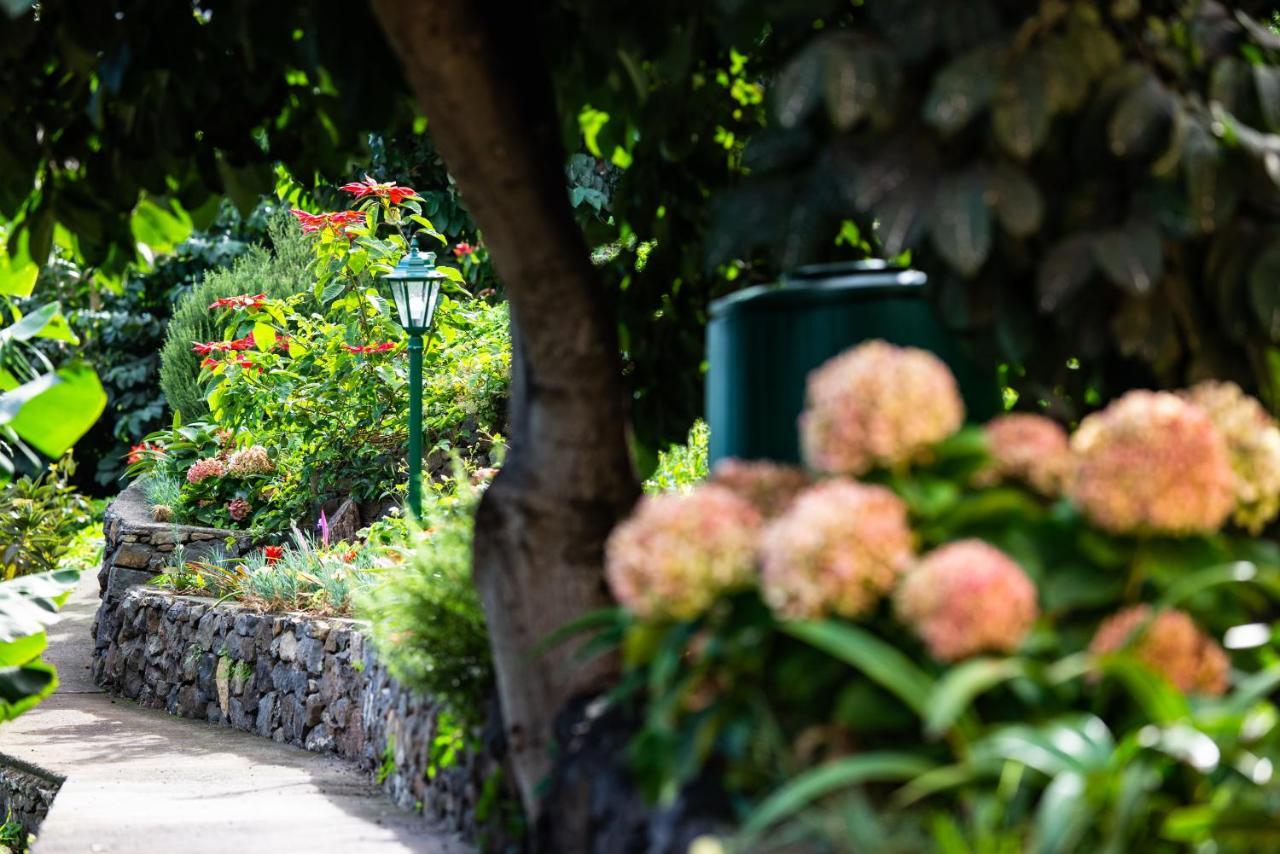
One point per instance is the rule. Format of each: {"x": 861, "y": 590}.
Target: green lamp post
{"x": 415, "y": 287}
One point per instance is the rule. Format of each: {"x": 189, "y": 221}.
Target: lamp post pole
{"x": 415, "y": 425}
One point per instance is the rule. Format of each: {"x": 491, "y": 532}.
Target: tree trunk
{"x": 541, "y": 527}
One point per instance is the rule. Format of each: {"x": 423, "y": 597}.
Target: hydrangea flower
{"x": 679, "y": 551}
{"x": 877, "y": 405}
{"x": 250, "y": 461}
{"x": 1253, "y": 444}
{"x": 838, "y": 549}
{"x": 965, "y": 598}
{"x": 239, "y": 509}
{"x": 770, "y": 487}
{"x": 204, "y": 469}
{"x": 1171, "y": 644}
{"x": 1029, "y": 448}
{"x": 1152, "y": 462}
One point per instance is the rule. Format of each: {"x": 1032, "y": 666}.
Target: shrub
{"x": 39, "y": 520}
{"x": 682, "y": 466}
{"x": 1038, "y": 673}
{"x": 281, "y": 271}
{"x": 428, "y": 625}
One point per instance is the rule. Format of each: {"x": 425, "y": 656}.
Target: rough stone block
{"x": 123, "y": 578}
{"x": 132, "y": 555}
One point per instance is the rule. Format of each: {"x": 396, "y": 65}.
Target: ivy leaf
{"x": 1210, "y": 199}
{"x": 962, "y": 90}
{"x": 1021, "y": 115}
{"x": 1064, "y": 272}
{"x": 856, "y": 76}
{"x": 962, "y": 223}
{"x": 1264, "y": 290}
{"x": 799, "y": 87}
{"x": 1017, "y": 201}
{"x": 1266, "y": 79}
{"x": 1142, "y": 121}
{"x": 903, "y": 215}
{"x": 1131, "y": 257}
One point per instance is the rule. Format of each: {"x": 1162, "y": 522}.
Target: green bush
{"x": 39, "y": 519}
{"x": 428, "y": 626}
{"x": 682, "y": 466}
{"x": 282, "y": 271}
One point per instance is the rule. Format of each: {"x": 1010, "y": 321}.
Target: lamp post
{"x": 415, "y": 287}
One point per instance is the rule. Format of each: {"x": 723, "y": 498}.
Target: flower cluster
{"x": 272, "y": 554}
{"x": 239, "y": 509}
{"x": 838, "y": 549}
{"x": 144, "y": 450}
{"x": 369, "y": 187}
{"x": 678, "y": 552}
{"x": 1253, "y": 444}
{"x": 340, "y": 222}
{"x": 384, "y": 347}
{"x": 877, "y": 405}
{"x": 236, "y": 345}
{"x": 1152, "y": 462}
{"x": 1170, "y": 644}
{"x": 250, "y": 461}
{"x": 1029, "y": 448}
{"x": 204, "y": 469}
{"x": 769, "y": 487}
{"x": 463, "y": 249}
{"x": 240, "y": 302}
{"x": 965, "y": 598}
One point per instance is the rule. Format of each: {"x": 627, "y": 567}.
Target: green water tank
{"x": 762, "y": 342}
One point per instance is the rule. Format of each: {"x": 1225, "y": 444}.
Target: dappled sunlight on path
{"x": 139, "y": 780}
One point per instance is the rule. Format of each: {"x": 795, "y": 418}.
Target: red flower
{"x": 242, "y": 301}
{"x": 273, "y": 553}
{"x": 370, "y": 187}
{"x": 370, "y": 348}
{"x": 240, "y": 344}
{"x": 209, "y": 363}
{"x": 339, "y": 221}
{"x": 349, "y": 555}
{"x": 462, "y": 249}
{"x": 138, "y": 452}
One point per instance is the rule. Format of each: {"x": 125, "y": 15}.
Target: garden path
{"x": 141, "y": 781}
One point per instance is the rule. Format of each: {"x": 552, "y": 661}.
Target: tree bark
{"x": 540, "y": 529}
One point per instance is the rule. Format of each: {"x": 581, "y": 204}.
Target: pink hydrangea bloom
{"x": 965, "y": 598}
{"x": 1171, "y": 644}
{"x": 837, "y": 550}
{"x": 770, "y": 487}
{"x": 1253, "y": 443}
{"x": 877, "y": 405}
{"x": 250, "y": 461}
{"x": 1029, "y": 448}
{"x": 239, "y": 509}
{"x": 1152, "y": 463}
{"x": 679, "y": 551}
{"x": 204, "y": 469}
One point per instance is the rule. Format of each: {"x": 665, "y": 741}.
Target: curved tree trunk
{"x": 567, "y": 479}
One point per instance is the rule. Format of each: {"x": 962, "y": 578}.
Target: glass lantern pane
{"x": 417, "y": 304}
{"x": 402, "y": 302}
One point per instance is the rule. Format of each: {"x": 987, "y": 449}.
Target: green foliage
{"x": 428, "y": 625}
{"x": 682, "y": 466}
{"x": 39, "y": 519}
{"x": 1086, "y": 184}
{"x": 27, "y": 605}
{"x": 281, "y": 271}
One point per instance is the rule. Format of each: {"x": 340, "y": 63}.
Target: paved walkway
{"x": 141, "y": 781}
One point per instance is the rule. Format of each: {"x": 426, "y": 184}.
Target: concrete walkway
{"x": 141, "y": 781}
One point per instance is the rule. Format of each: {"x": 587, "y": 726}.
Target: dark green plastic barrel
{"x": 762, "y": 343}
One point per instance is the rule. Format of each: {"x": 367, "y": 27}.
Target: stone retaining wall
{"x": 138, "y": 548}
{"x": 26, "y": 793}
{"x": 298, "y": 679}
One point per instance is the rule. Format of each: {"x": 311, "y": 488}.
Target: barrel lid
{"x": 826, "y": 283}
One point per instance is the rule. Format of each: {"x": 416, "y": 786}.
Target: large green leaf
{"x": 955, "y": 691}
{"x": 1021, "y": 116}
{"x": 1018, "y": 203}
{"x": 831, "y": 777}
{"x": 27, "y": 604}
{"x": 45, "y": 322}
{"x": 158, "y": 228}
{"x": 1142, "y": 121}
{"x": 52, "y": 412}
{"x": 1131, "y": 257}
{"x": 1063, "y": 815}
{"x": 1064, "y": 273}
{"x": 1264, "y": 294}
{"x": 879, "y": 661}
{"x": 962, "y": 89}
{"x": 961, "y": 229}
